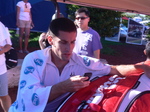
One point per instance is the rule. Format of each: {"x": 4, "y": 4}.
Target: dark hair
{"x": 147, "y": 48}
{"x": 61, "y": 24}
{"x": 81, "y": 10}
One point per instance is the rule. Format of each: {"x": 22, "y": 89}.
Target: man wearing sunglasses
{"x": 88, "y": 40}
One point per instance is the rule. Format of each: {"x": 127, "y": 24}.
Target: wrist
{"x": 62, "y": 87}
{"x": 2, "y": 50}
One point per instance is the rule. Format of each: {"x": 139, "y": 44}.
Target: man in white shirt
{"x": 49, "y": 75}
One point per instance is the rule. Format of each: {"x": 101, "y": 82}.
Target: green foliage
{"x": 102, "y": 20}
{"x": 125, "y": 22}
{"x": 71, "y": 10}
{"x": 148, "y": 35}
{"x": 148, "y": 24}
{"x": 129, "y": 15}
{"x": 148, "y": 32}
{"x": 147, "y": 17}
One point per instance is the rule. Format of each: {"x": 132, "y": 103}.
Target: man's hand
{"x": 70, "y": 85}
{"x": 75, "y": 83}
{"x": 42, "y": 37}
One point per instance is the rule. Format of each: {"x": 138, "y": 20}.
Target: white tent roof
{"x": 134, "y": 6}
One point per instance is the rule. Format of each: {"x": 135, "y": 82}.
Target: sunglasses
{"x": 82, "y": 18}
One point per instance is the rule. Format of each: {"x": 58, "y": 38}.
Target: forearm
{"x": 42, "y": 40}
{"x": 18, "y": 12}
{"x": 5, "y": 48}
{"x": 73, "y": 84}
{"x": 31, "y": 19}
{"x": 97, "y": 54}
{"x": 17, "y": 16}
{"x": 126, "y": 70}
{"x": 41, "y": 44}
{"x": 56, "y": 91}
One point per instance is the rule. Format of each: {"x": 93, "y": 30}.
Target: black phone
{"x": 89, "y": 74}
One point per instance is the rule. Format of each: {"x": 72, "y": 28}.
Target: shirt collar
{"x": 47, "y": 52}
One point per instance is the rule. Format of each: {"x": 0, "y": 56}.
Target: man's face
{"x": 82, "y": 20}
{"x": 62, "y": 46}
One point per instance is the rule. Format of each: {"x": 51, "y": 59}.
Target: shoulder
{"x": 81, "y": 60}
{"x": 2, "y": 25}
{"x": 19, "y": 4}
{"x": 36, "y": 54}
{"x": 29, "y": 3}
{"x": 92, "y": 30}
{"x": 87, "y": 62}
{"x": 41, "y": 53}
{"x": 35, "y": 58}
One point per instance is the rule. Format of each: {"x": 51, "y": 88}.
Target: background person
{"x": 88, "y": 40}
{"x": 5, "y": 45}
{"x": 147, "y": 53}
{"x": 147, "y": 61}
{"x": 43, "y": 42}
{"x": 48, "y": 76}
{"x": 24, "y": 23}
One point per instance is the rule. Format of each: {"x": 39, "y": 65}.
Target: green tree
{"x": 102, "y": 20}
{"x": 148, "y": 32}
{"x": 147, "y": 17}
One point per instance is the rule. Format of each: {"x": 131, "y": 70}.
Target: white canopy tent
{"x": 134, "y": 6}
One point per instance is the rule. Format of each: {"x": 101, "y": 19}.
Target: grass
{"x": 107, "y": 47}
{"x": 34, "y": 36}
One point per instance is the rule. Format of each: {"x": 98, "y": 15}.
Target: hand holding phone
{"x": 89, "y": 74}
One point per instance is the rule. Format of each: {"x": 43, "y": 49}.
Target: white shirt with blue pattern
{"x": 39, "y": 74}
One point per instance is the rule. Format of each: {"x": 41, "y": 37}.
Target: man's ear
{"x": 144, "y": 52}
{"x": 89, "y": 19}
{"x": 50, "y": 40}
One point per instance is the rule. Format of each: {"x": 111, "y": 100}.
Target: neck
{"x": 84, "y": 28}
{"x": 25, "y": 1}
{"x": 60, "y": 64}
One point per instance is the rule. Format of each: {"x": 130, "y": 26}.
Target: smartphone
{"x": 89, "y": 74}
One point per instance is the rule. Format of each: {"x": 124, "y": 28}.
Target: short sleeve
{"x": 8, "y": 40}
{"x": 18, "y": 4}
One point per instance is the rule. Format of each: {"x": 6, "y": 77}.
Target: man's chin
{"x": 67, "y": 58}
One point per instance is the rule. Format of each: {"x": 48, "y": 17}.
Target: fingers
{"x": 75, "y": 83}
{"x": 42, "y": 37}
{"x": 78, "y": 78}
